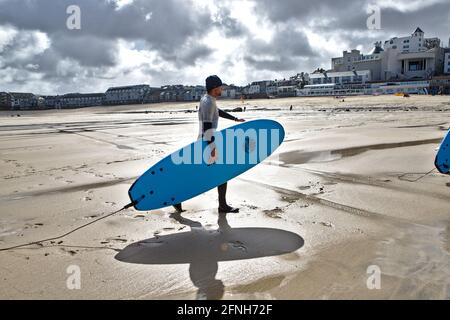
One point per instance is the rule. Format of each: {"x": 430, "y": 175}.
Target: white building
{"x": 231, "y": 92}
{"x": 124, "y": 95}
{"x": 333, "y": 89}
{"x": 80, "y": 100}
{"x": 194, "y": 93}
{"x": 24, "y": 101}
{"x": 345, "y": 77}
{"x": 447, "y": 61}
{"x": 254, "y": 89}
{"x": 407, "y": 58}
{"x": 272, "y": 89}
{"x": 5, "y": 101}
{"x": 412, "y": 43}
{"x": 355, "y": 61}
{"x": 259, "y": 87}
{"x": 412, "y": 57}
{"x": 287, "y": 90}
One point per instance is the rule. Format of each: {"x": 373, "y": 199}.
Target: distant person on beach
{"x": 208, "y": 116}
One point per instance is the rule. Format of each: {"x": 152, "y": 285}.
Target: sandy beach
{"x": 346, "y": 190}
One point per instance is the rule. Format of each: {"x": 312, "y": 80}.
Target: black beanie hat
{"x": 213, "y": 82}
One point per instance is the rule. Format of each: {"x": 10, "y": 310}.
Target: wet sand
{"x": 347, "y": 190}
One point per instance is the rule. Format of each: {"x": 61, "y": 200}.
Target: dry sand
{"x": 345, "y": 191}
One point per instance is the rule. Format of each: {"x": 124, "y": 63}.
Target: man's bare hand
{"x": 240, "y": 120}
{"x": 212, "y": 159}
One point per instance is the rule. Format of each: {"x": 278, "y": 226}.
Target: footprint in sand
{"x": 327, "y": 224}
{"x": 91, "y": 216}
{"x": 89, "y": 195}
{"x": 289, "y": 199}
{"x": 69, "y": 252}
{"x": 251, "y": 207}
{"x": 37, "y": 225}
{"x": 114, "y": 240}
{"x": 274, "y": 213}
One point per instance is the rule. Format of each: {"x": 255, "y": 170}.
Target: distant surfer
{"x": 208, "y": 116}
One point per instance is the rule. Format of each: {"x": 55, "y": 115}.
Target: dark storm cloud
{"x": 174, "y": 30}
{"x": 17, "y": 50}
{"x": 165, "y": 25}
{"x": 283, "y": 52}
{"x": 25, "y": 51}
{"x": 194, "y": 53}
{"x": 230, "y": 26}
{"x": 306, "y": 10}
{"x": 346, "y": 20}
{"x": 433, "y": 20}
{"x": 351, "y": 15}
{"x": 272, "y": 64}
{"x": 88, "y": 50}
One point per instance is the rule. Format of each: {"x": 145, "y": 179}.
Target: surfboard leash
{"x": 401, "y": 177}
{"x": 70, "y": 232}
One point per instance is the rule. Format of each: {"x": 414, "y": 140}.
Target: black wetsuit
{"x": 209, "y": 102}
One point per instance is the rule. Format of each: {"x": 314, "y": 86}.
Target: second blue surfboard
{"x": 442, "y": 162}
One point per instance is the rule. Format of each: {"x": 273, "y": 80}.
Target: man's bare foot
{"x": 228, "y": 209}
{"x": 179, "y": 208}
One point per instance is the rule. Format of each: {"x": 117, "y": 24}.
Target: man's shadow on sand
{"x": 203, "y": 249}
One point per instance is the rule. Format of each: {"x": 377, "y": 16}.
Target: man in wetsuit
{"x": 208, "y": 116}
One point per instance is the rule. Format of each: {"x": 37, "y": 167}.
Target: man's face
{"x": 217, "y": 92}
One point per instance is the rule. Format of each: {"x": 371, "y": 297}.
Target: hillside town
{"x": 407, "y": 65}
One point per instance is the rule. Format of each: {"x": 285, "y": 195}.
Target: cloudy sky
{"x": 157, "y": 42}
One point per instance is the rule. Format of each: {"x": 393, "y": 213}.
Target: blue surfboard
{"x": 191, "y": 171}
{"x": 442, "y": 162}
